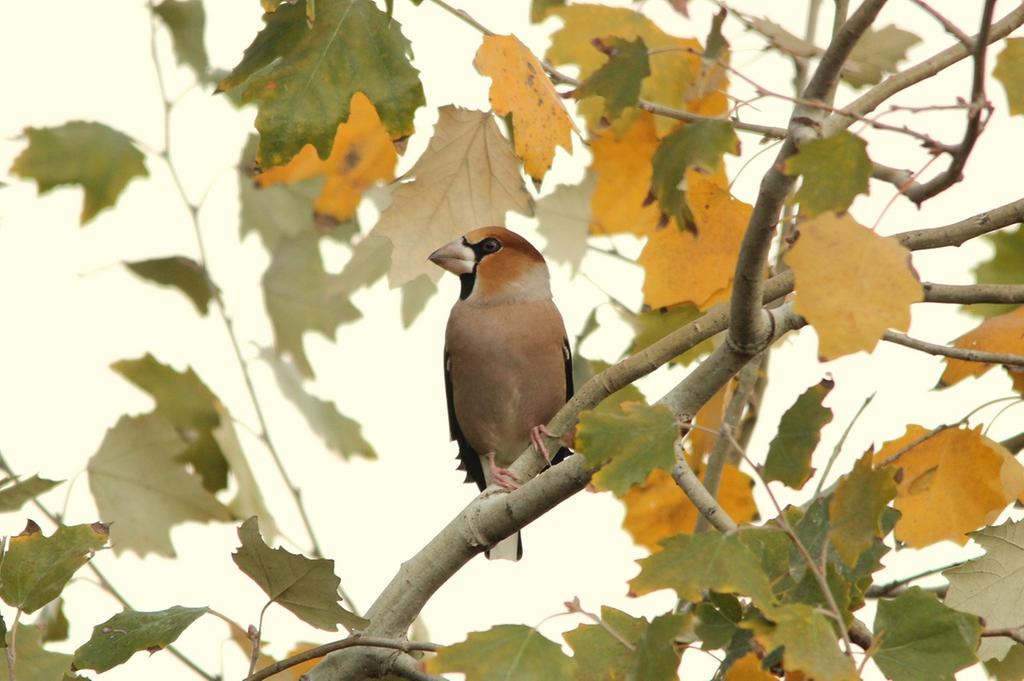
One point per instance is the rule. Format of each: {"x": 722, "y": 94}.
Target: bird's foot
{"x": 537, "y": 434}
{"x": 502, "y": 477}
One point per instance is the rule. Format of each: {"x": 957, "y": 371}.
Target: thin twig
{"x": 839, "y": 445}
{"x": 1015, "y": 634}
{"x": 887, "y": 589}
{"x": 254, "y": 635}
{"x": 706, "y": 504}
{"x": 12, "y": 645}
{"x": 950, "y": 27}
{"x": 895, "y": 456}
{"x": 575, "y": 607}
{"x": 350, "y": 642}
{"x": 965, "y": 354}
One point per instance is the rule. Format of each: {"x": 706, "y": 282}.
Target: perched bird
{"x": 507, "y": 365}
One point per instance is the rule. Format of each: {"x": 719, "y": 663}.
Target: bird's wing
{"x": 569, "y": 387}
{"x": 469, "y": 459}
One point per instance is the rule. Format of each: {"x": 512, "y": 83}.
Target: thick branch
{"x": 957, "y": 233}
{"x": 968, "y": 294}
{"x": 400, "y": 645}
{"x": 749, "y": 324}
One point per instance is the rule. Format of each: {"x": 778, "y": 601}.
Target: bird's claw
{"x": 502, "y": 477}
{"x": 537, "y": 434}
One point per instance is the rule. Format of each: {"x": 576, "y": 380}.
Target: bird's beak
{"x": 456, "y": 257}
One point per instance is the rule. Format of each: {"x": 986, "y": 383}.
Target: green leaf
{"x": 612, "y": 403}
{"x": 33, "y": 661}
{"x": 278, "y": 211}
{"x": 302, "y": 80}
{"x": 920, "y": 639}
{"x": 789, "y": 454}
{"x": 184, "y": 274}
{"x": 834, "y": 169}
{"x": 507, "y": 652}
{"x": 877, "y": 53}
{"x": 656, "y": 655}
{"x": 36, "y": 568}
{"x": 713, "y": 627}
{"x": 650, "y": 326}
{"x": 990, "y": 586}
{"x": 301, "y": 296}
{"x": 700, "y": 145}
{"x": 1003, "y": 268}
{"x": 810, "y": 642}
{"x": 415, "y": 295}
{"x": 129, "y": 632}
{"x": 618, "y": 81}
{"x": 563, "y": 219}
{"x": 52, "y": 622}
{"x": 186, "y": 20}
{"x": 599, "y": 655}
{"x": 141, "y": 489}
{"x": 370, "y": 260}
{"x": 98, "y": 158}
{"x": 340, "y": 433}
{"x": 1009, "y": 71}
{"x": 1010, "y": 668}
{"x": 14, "y": 494}
{"x": 539, "y": 8}
{"x": 307, "y": 587}
{"x": 855, "y": 511}
{"x": 627, "y": 445}
{"x": 693, "y": 564}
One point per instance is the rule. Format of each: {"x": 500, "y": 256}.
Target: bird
{"x": 507, "y": 362}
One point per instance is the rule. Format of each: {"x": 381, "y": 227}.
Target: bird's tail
{"x": 509, "y": 548}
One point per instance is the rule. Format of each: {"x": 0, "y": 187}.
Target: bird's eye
{"x": 490, "y": 245}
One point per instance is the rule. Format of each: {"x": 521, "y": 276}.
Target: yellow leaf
{"x": 1004, "y": 333}
{"x": 748, "y": 668}
{"x": 681, "y": 267}
{"x": 362, "y": 155}
{"x": 519, "y": 86}
{"x": 851, "y": 284}
{"x": 710, "y": 416}
{"x": 623, "y": 169}
{"x": 951, "y": 483}
{"x": 298, "y": 670}
{"x": 674, "y": 79}
{"x": 658, "y": 509}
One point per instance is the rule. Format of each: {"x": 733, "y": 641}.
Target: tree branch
{"x": 956, "y": 353}
{"x": 749, "y": 324}
{"x": 957, "y": 233}
{"x": 400, "y": 645}
{"x": 1015, "y": 634}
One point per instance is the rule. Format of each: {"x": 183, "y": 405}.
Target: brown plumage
{"x": 507, "y": 363}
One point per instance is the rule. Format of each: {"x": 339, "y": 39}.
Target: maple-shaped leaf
{"x": 1002, "y": 268}
{"x": 650, "y": 326}
{"x": 302, "y": 79}
{"x": 952, "y": 482}
{"x": 920, "y": 639}
{"x": 834, "y": 170}
{"x": 717, "y": 617}
{"x": 721, "y": 221}
{"x": 141, "y": 488}
{"x": 307, "y": 587}
{"x": 94, "y": 156}
{"x": 811, "y": 647}
{"x": 696, "y": 145}
{"x": 690, "y": 564}
{"x": 657, "y": 655}
{"x": 855, "y": 512}
{"x": 52, "y": 622}
{"x": 33, "y": 661}
{"x": 113, "y": 642}
{"x": 851, "y": 284}
{"x": 673, "y": 70}
{"x": 362, "y": 155}
{"x": 627, "y": 445}
{"x": 340, "y": 433}
{"x": 36, "y": 568}
{"x": 748, "y": 668}
{"x": 520, "y": 88}
{"x": 622, "y": 168}
{"x": 563, "y": 219}
{"x": 658, "y": 509}
{"x": 248, "y": 500}
{"x": 996, "y": 334}
{"x": 789, "y": 454}
{"x": 618, "y": 81}
{"x": 877, "y": 53}
{"x": 281, "y": 211}
{"x": 301, "y": 296}
{"x": 1009, "y": 71}
{"x": 186, "y": 21}
{"x": 1010, "y": 668}
{"x": 15, "y": 493}
{"x": 369, "y": 261}
{"x": 179, "y": 272}
{"x": 599, "y": 655}
{"x": 992, "y": 586}
{"x": 468, "y": 177}
{"x": 503, "y": 653}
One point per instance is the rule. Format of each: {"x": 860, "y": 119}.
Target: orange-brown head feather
{"x": 506, "y": 267}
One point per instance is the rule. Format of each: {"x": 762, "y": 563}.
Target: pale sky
{"x": 70, "y": 310}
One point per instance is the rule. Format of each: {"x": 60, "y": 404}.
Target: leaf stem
{"x": 11, "y": 650}
{"x": 350, "y": 642}
{"x": 839, "y": 445}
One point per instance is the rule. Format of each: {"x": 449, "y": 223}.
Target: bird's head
{"x": 495, "y": 266}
